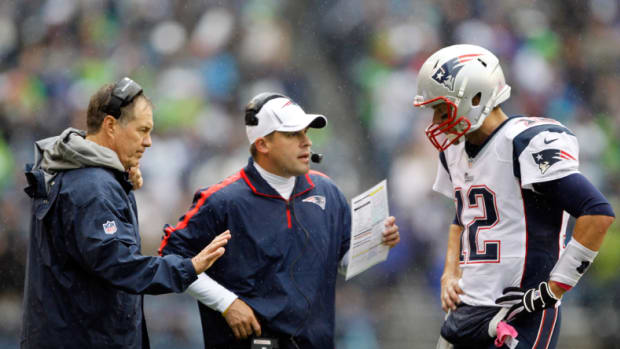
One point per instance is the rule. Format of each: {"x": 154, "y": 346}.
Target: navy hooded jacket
{"x": 284, "y": 255}
{"x": 85, "y": 274}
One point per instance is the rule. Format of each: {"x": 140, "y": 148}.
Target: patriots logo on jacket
{"x": 546, "y": 158}
{"x": 317, "y": 200}
{"x": 109, "y": 227}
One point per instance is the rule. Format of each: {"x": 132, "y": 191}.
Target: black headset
{"x": 123, "y": 93}
{"x": 255, "y": 105}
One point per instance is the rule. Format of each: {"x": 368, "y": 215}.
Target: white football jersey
{"x": 512, "y": 235}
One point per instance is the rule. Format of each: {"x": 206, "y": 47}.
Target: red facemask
{"x": 445, "y": 134}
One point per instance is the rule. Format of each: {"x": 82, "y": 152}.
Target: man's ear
{"x": 262, "y": 145}
{"x": 109, "y": 125}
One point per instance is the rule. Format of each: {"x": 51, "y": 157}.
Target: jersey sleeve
{"x": 210, "y": 293}
{"x": 443, "y": 181}
{"x": 544, "y": 153}
{"x": 195, "y": 229}
{"x": 576, "y": 195}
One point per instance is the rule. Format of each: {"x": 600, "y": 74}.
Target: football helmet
{"x": 455, "y": 75}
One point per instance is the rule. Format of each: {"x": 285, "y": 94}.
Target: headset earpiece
{"x": 255, "y": 105}
{"x": 123, "y": 93}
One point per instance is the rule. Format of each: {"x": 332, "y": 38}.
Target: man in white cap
{"x": 275, "y": 287}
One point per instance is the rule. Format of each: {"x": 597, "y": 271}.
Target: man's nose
{"x": 437, "y": 117}
{"x": 306, "y": 141}
{"x": 147, "y": 141}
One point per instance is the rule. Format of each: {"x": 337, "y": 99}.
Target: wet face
{"x": 132, "y": 139}
{"x": 445, "y": 129}
{"x": 288, "y": 153}
{"x": 441, "y": 113}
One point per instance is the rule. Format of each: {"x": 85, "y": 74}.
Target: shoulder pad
{"x": 520, "y": 124}
{"x": 544, "y": 151}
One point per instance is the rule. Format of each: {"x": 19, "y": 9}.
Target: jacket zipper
{"x": 288, "y": 215}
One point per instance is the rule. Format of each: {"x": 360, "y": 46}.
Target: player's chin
{"x": 133, "y": 162}
{"x": 305, "y": 168}
{"x": 301, "y": 169}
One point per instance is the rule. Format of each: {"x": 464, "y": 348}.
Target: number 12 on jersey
{"x": 474, "y": 250}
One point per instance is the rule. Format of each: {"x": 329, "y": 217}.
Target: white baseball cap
{"x": 284, "y": 115}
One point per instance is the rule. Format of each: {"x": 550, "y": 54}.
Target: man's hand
{"x": 391, "y": 237}
{"x": 203, "y": 260}
{"x": 534, "y": 299}
{"x": 135, "y": 176}
{"x": 240, "y": 317}
{"x": 450, "y": 291}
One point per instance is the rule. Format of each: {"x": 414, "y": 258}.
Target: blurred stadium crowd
{"x": 354, "y": 61}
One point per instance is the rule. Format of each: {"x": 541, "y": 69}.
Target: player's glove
{"x": 534, "y": 299}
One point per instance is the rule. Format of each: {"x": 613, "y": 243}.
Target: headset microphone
{"x": 316, "y": 157}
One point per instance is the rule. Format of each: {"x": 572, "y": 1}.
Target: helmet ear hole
{"x": 476, "y": 99}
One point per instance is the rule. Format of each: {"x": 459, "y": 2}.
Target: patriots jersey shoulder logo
{"x": 109, "y": 227}
{"x": 546, "y": 158}
{"x": 446, "y": 74}
{"x": 318, "y": 200}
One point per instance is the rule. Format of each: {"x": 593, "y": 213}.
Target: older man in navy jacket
{"x": 292, "y": 229}
{"x": 85, "y": 274}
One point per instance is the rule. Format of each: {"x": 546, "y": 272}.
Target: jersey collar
{"x": 259, "y": 186}
{"x": 473, "y": 149}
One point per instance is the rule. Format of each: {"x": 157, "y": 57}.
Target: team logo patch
{"x": 468, "y": 177}
{"x": 546, "y": 158}
{"x": 109, "y": 227}
{"x": 317, "y": 200}
{"x": 446, "y": 74}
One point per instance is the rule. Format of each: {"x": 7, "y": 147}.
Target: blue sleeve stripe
{"x": 576, "y": 195}
{"x": 444, "y": 163}
{"x": 521, "y": 141}
{"x": 200, "y": 198}
{"x": 456, "y": 220}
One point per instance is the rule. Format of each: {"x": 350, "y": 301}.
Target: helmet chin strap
{"x": 460, "y": 129}
{"x": 489, "y": 106}
{"x": 485, "y": 111}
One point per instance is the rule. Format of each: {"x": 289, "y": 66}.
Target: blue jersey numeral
{"x": 473, "y": 250}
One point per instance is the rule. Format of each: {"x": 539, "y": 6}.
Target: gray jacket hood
{"x": 72, "y": 150}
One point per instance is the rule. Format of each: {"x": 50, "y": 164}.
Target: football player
{"x": 515, "y": 181}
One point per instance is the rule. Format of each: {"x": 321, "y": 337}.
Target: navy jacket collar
{"x": 123, "y": 178}
{"x": 260, "y": 187}
{"x": 36, "y": 181}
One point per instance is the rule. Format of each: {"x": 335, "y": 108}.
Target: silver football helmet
{"x": 455, "y": 75}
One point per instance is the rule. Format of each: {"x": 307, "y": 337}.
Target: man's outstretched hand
{"x": 203, "y": 260}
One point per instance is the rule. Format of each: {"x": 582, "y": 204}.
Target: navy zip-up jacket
{"x": 284, "y": 255}
{"x": 85, "y": 274}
